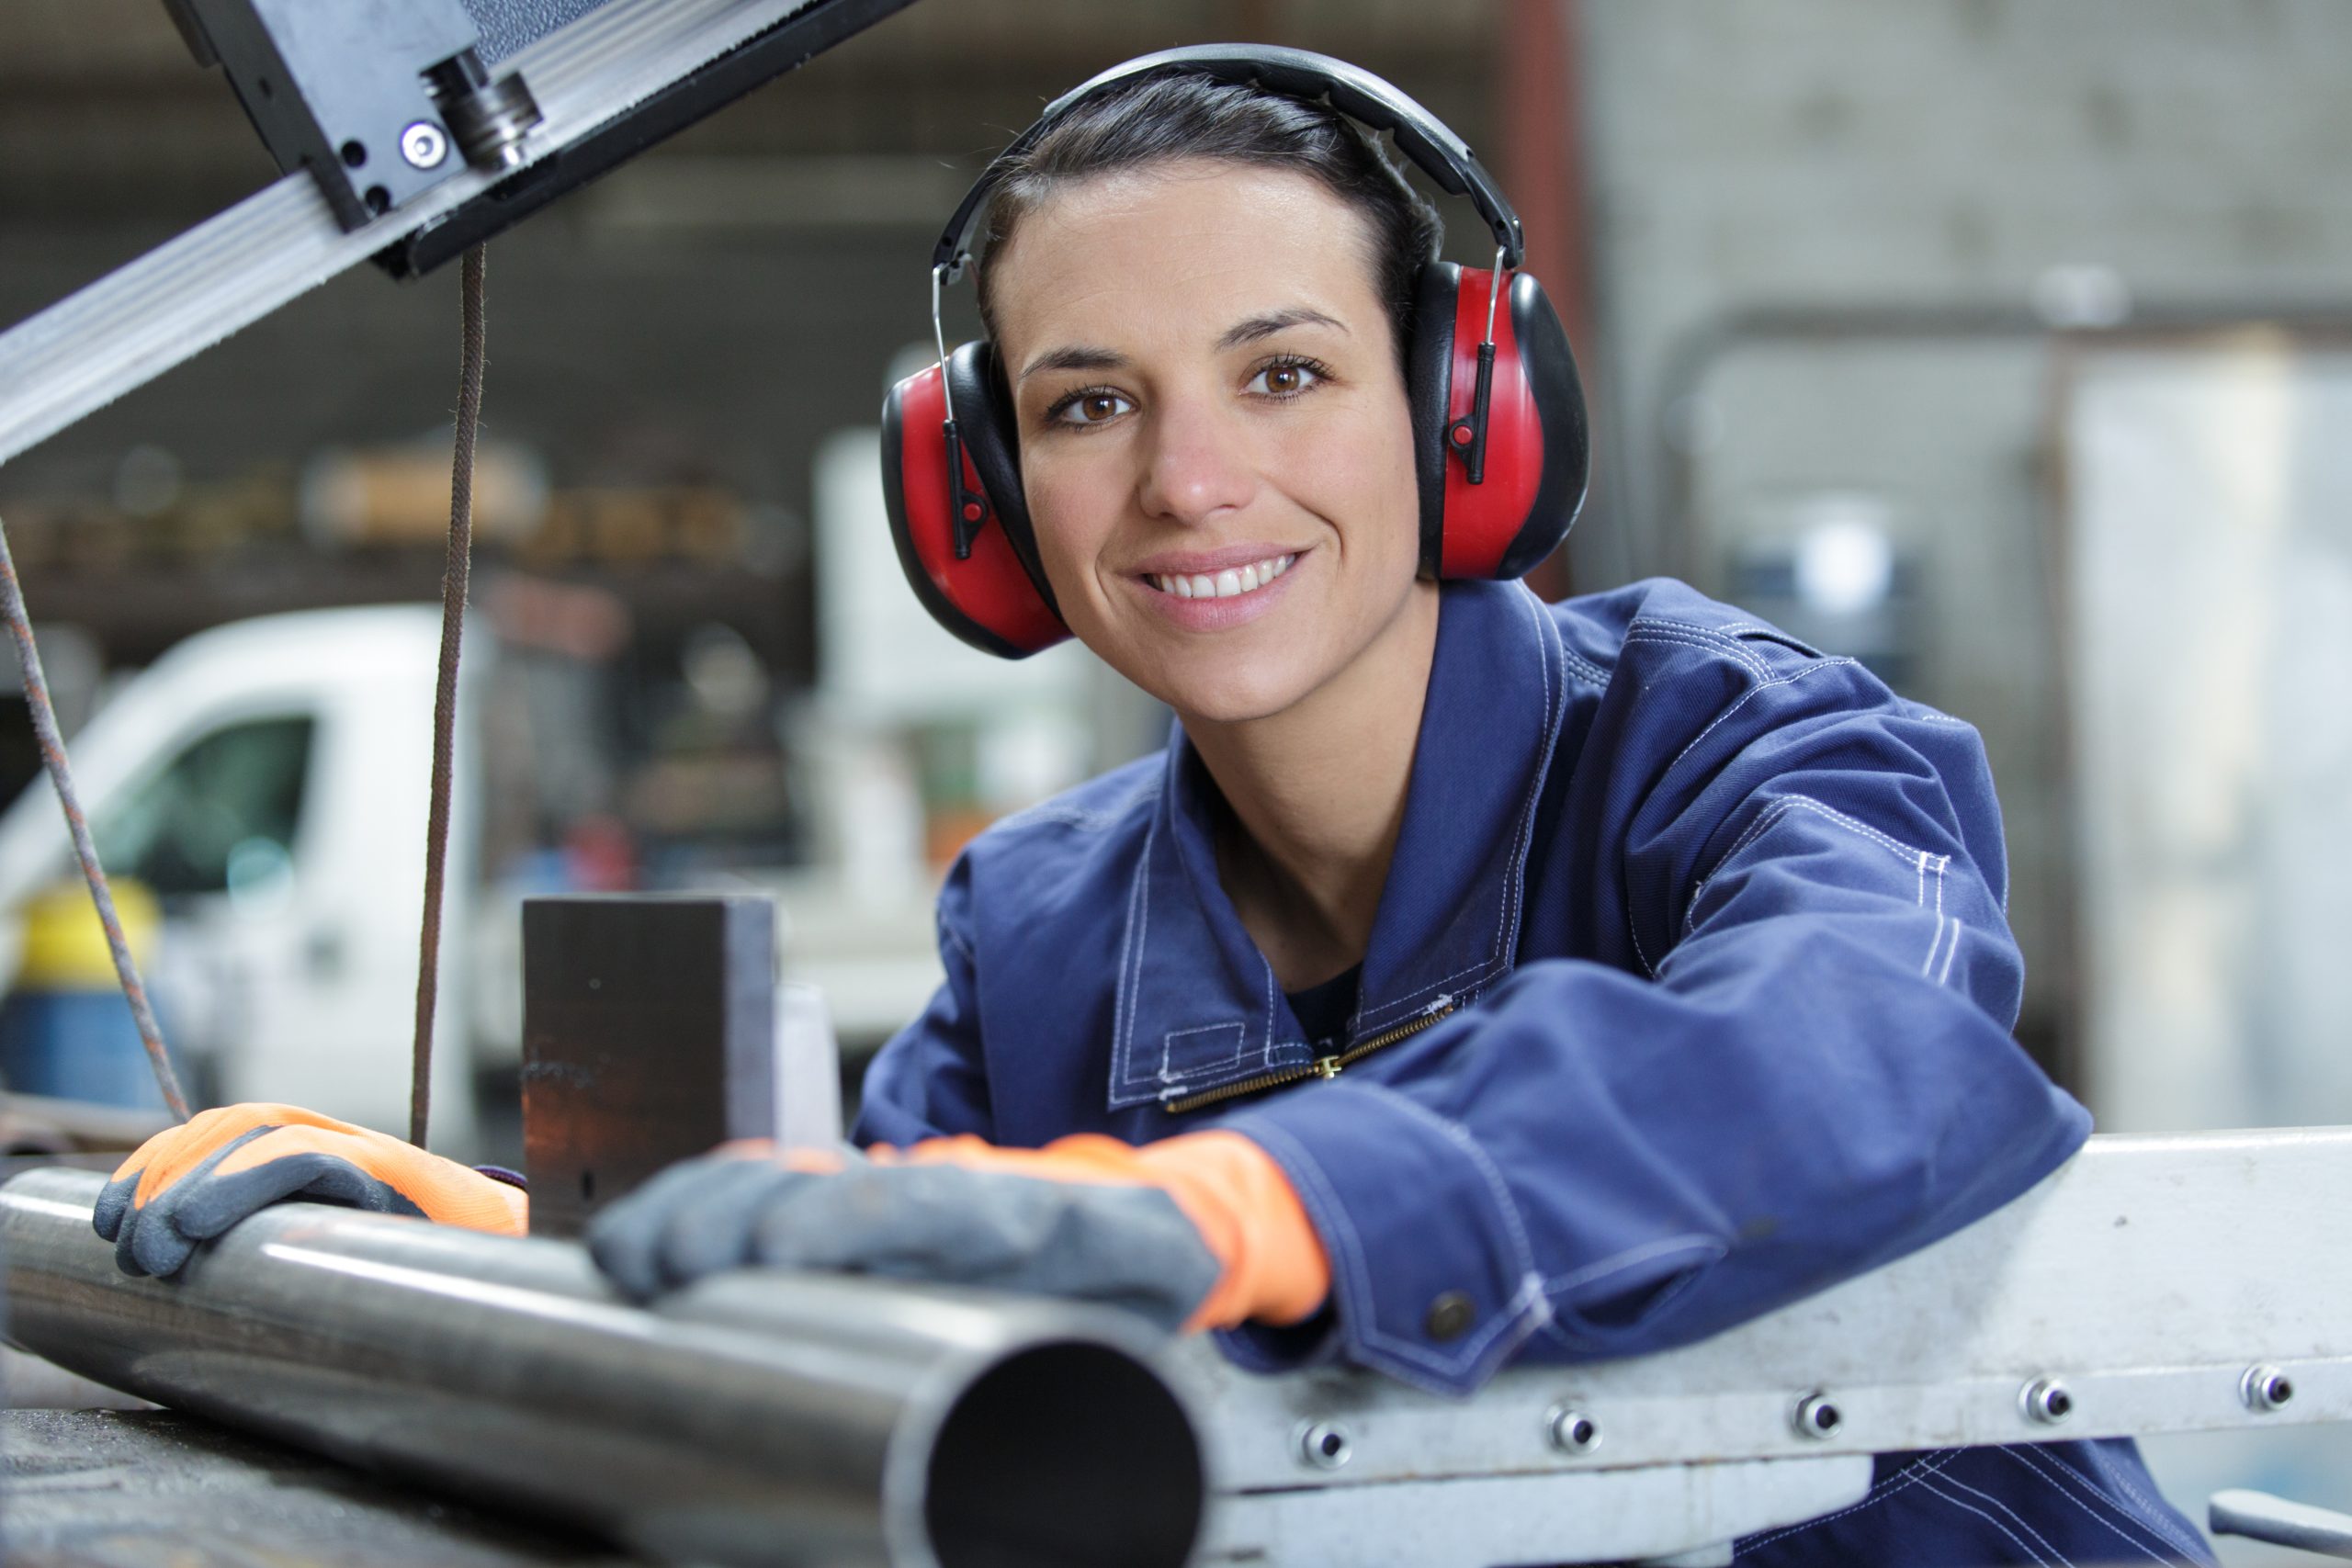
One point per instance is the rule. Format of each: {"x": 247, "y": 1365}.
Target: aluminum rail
{"x": 758, "y": 1418}
{"x": 2179, "y": 1283}
{"x": 227, "y": 273}
{"x": 2187, "y": 1282}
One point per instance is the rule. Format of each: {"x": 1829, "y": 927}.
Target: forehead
{"x": 1172, "y": 255}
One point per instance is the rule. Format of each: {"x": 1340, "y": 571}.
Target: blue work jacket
{"x": 1688, "y": 994}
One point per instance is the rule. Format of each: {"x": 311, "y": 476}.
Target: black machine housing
{"x": 361, "y": 92}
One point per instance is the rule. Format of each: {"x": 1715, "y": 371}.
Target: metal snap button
{"x": 1450, "y": 1316}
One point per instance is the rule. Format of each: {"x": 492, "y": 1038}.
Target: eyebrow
{"x": 1077, "y": 357}
{"x": 1086, "y": 357}
{"x": 1253, "y": 328}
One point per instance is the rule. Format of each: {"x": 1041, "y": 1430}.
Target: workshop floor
{"x": 144, "y": 1489}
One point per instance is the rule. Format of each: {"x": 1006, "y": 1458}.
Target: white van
{"x": 268, "y": 780}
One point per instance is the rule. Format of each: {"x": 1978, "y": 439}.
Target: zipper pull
{"x": 1327, "y": 1066}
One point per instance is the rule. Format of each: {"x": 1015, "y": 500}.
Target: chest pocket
{"x": 1188, "y": 1061}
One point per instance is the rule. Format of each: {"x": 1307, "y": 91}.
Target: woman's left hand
{"x": 190, "y": 1183}
{"x": 1200, "y": 1231}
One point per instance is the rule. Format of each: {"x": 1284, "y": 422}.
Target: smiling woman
{"x": 1472, "y": 978}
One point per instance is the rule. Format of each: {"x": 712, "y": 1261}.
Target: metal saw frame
{"x": 607, "y": 86}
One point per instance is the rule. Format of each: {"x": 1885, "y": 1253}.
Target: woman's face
{"x": 1215, "y": 444}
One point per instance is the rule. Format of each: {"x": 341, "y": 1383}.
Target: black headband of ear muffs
{"x": 1354, "y": 92}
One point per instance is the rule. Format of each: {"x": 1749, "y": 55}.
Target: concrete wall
{"x": 1845, "y": 152}
{"x": 1827, "y": 235}
{"x": 1823, "y": 238}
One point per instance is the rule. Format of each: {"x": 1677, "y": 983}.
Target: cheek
{"x": 1359, "y": 472}
{"x": 1073, "y": 507}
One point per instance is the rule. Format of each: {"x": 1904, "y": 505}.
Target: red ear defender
{"x": 1504, "y": 448}
{"x": 972, "y": 580}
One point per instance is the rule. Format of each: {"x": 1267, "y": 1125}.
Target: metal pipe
{"x": 757, "y": 1418}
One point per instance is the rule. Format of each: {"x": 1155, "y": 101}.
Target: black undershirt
{"x": 1323, "y": 1010}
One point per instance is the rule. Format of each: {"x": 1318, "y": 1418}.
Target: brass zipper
{"x": 1321, "y": 1068}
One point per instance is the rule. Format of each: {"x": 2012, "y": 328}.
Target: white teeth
{"x": 1224, "y": 584}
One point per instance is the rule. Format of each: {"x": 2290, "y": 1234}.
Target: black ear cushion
{"x": 984, "y": 416}
{"x": 1550, "y": 366}
{"x": 1429, "y": 386}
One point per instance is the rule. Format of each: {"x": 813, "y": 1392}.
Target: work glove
{"x": 1201, "y": 1231}
{"x": 194, "y": 1181}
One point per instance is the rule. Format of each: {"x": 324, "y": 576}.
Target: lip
{"x": 1217, "y": 614}
{"x": 1208, "y": 563}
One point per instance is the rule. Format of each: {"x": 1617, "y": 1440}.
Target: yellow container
{"x": 66, "y": 944}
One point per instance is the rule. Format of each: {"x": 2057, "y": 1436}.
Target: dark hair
{"x": 1162, "y": 118}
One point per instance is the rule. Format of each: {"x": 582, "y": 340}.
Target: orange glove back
{"x": 193, "y": 1182}
{"x": 1274, "y": 1268}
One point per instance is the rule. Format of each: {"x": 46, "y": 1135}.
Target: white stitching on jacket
{"x": 2153, "y": 1516}
{"x": 1527, "y": 1304}
{"x": 1131, "y": 960}
{"x": 1593, "y": 674}
{"x": 1167, "y": 1074}
{"x": 1920, "y": 859}
{"x": 2068, "y": 1493}
{"x": 1460, "y": 1137}
{"x": 1617, "y": 1263}
{"x": 1932, "y": 1487}
{"x": 1909, "y": 1475}
{"x": 1789, "y": 678}
{"x": 1522, "y": 840}
{"x": 1697, "y": 636}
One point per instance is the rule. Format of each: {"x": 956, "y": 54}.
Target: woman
{"x": 1471, "y": 978}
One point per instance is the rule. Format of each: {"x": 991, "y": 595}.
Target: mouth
{"x": 1232, "y": 583}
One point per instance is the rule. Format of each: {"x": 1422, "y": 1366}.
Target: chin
{"x": 1231, "y": 692}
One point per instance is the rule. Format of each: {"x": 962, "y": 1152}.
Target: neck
{"x": 1317, "y": 797}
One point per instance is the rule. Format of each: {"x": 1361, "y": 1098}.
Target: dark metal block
{"x": 649, "y": 1036}
{"x": 788, "y": 46}
{"x": 336, "y": 87}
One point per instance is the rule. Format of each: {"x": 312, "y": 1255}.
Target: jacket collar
{"x": 1198, "y": 1006}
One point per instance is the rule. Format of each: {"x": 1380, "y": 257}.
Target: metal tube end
{"x": 1067, "y": 1452}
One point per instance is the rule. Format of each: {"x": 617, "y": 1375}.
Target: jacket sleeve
{"x": 1803, "y": 1070}
{"x": 929, "y": 1081}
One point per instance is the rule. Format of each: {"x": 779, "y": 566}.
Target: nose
{"x": 1197, "y": 461}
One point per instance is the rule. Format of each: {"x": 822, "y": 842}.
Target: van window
{"x": 232, "y": 798}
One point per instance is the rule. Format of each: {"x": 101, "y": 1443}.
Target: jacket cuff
{"x": 1433, "y": 1280}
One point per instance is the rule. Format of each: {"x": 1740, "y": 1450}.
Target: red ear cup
{"x": 990, "y": 598}
{"x": 1536, "y": 449}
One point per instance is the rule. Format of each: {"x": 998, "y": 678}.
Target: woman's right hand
{"x": 194, "y": 1181}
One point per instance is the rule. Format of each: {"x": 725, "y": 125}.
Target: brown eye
{"x": 1090, "y": 408}
{"x": 1284, "y": 380}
